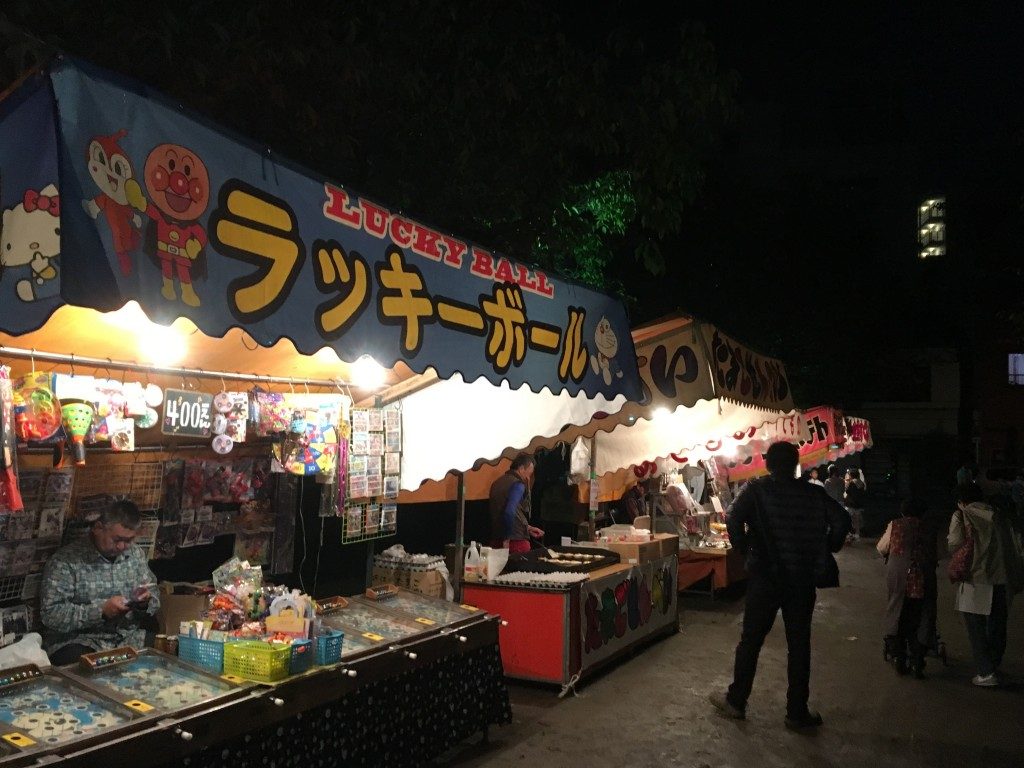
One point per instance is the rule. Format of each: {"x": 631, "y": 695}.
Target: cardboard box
{"x": 669, "y": 543}
{"x": 635, "y": 552}
{"x": 428, "y": 583}
{"x": 175, "y": 609}
{"x": 383, "y": 575}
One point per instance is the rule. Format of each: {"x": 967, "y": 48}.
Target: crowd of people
{"x": 986, "y": 567}
{"x": 788, "y": 530}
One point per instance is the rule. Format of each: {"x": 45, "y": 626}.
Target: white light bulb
{"x": 367, "y": 373}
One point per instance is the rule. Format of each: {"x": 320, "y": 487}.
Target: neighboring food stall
{"x": 194, "y": 317}
{"x": 702, "y": 390}
{"x": 830, "y": 436}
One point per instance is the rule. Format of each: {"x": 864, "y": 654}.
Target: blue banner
{"x": 160, "y": 206}
{"x": 30, "y": 228}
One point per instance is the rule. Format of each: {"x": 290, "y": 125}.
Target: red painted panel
{"x": 533, "y": 643}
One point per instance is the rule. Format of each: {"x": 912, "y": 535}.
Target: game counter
{"x": 124, "y": 707}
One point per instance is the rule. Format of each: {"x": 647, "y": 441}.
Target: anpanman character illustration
{"x": 178, "y": 185}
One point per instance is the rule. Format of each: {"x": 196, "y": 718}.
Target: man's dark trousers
{"x": 765, "y": 596}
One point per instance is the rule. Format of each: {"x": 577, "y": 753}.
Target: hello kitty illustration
{"x": 607, "y": 344}
{"x": 30, "y": 243}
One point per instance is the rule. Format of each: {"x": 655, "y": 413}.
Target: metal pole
{"x": 105, "y": 363}
{"x": 592, "y": 517}
{"x": 460, "y": 532}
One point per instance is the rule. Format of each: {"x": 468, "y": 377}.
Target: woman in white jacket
{"x": 996, "y": 575}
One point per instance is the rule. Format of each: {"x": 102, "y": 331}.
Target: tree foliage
{"x": 571, "y": 136}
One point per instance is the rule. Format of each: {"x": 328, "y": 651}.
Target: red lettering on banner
{"x": 401, "y": 231}
{"x": 336, "y": 207}
{"x": 524, "y": 278}
{"x": 503, "y": 273}
{"x": 456, "y": 250}
{"x": 483, "y": 264}
{"x": 375, "y": 218}
{"x": 544, "y": 288}
{"x": 426, "y": 242}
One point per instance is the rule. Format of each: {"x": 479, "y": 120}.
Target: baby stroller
{"x": 935, "y": 650}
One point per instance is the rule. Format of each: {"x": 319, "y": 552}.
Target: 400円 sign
{"x": 186, "y": 413}
{"x": 168, "y": 210}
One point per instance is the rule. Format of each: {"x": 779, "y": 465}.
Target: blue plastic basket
{"x": 328, "y": 647}
{"x": 207, "y": 654}
{"x": 302, "y": 657}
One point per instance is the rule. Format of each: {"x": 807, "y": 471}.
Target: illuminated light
{"x": 729, "y": 450}
{"x": 159, "y": 345}
{"x": 660, "y": 413}
{"x": 367, "y": 373}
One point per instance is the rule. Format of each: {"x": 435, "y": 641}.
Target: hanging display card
{"x": 186, "y": 413}
{"x": 374, "y": 465}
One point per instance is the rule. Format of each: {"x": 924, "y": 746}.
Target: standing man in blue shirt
{"x": 510, "y": 507}
{"x": 95, "y": 593}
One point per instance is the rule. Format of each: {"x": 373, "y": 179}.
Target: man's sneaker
{"x": 721, "y": 702}
{"x": 810, "y": 720}
{"x": 986, "y": 681}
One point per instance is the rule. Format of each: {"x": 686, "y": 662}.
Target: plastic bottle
{"x": 472, "y": 564}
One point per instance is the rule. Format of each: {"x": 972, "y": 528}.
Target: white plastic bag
{"x": 28, "y": 650}
{"x": 579, "y": 461}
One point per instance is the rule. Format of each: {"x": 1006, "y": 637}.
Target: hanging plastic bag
{"x": 579, "y": 461}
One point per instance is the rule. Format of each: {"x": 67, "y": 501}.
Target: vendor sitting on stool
{"x": 95, "y": 592}
{"x": 510, "y": 507}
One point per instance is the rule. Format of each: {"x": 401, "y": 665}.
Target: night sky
{"x": 803, "y": 240}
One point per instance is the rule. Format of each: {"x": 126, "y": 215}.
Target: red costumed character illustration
{"x": 179, "y": 190}
{"x": 111, "y": 169}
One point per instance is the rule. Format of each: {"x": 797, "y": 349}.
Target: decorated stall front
{"x": 829, "y": 436}
{"x": 193, "y": 296}
{"x": 702, "y": 392}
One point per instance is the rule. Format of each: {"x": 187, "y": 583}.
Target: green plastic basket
{"x": 255, "y": 660}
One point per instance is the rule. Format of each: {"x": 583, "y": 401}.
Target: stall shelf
{"x": 560, "y": 635}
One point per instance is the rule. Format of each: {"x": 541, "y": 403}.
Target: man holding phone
{"x": 95, "y": 593}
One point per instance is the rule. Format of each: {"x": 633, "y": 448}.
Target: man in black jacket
{"x": 788, "y": 530}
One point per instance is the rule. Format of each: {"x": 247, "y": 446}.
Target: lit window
{"x": 1017, "y": 368}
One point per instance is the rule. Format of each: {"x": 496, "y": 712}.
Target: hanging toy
{"x": 37, "y": 413}
{"x": 77, "y": 419}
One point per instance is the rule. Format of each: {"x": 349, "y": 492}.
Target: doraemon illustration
{"x": 110, "y": 168}
{"x": 607, "y": 344}
{"x": 30, "y": 244}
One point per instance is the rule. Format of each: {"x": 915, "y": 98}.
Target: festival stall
{"x": 829, "y": 436}
{"x": 193, "y": 316}
{"x": 702, "y": 391}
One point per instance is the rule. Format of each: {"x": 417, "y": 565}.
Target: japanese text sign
{"x": 168, "y": 210}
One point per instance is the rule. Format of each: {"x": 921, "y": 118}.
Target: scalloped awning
{"x": 111, "y": 193}
{"x": 699, "y": 385}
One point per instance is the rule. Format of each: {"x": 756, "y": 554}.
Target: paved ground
{"x": 652, "y": 710}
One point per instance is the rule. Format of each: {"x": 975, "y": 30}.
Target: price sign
{"x": 186, "y": 413}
